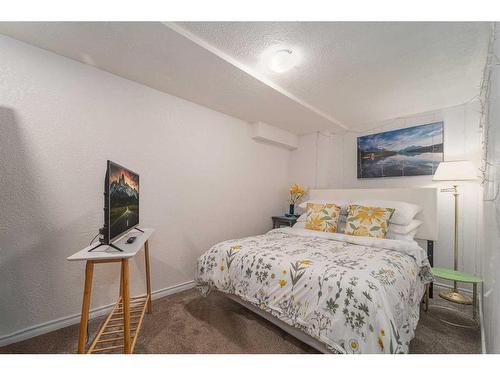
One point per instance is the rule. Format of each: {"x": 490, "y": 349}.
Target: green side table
{"x": 456, "y": 277}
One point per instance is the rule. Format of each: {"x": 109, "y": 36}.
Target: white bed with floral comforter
{"x": 354, "y": 294}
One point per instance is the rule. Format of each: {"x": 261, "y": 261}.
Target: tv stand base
{"x": 104, "y": 244}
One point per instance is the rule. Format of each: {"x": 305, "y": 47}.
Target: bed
{"x": 337, "y": 293}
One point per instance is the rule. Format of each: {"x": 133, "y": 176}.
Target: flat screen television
{"x": 122, "y": 201}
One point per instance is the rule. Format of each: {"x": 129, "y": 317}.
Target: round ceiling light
{"x": 282, "y": 60}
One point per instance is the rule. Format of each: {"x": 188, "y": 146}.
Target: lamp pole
{"x": 455, "y": 261}
{"x": 457, "y": 170}
{"x": 454, "y": 295}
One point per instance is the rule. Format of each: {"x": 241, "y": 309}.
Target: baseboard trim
{"x": 56, "y": 324}
{"x": 160, "y": 293}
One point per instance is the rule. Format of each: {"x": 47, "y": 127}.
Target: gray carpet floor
{"x": 188, "y": 323}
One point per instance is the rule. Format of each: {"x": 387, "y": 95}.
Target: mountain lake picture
{"x": 414, "y": 151}
{"x": 124, "y": 199}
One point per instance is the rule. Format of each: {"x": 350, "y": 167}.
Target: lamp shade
{"x": 459, "y": 170}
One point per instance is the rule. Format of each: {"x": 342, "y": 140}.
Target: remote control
{"x": 131, "y": 239}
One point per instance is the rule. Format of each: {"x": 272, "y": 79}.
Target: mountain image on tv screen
{"x": 123, "y": 200}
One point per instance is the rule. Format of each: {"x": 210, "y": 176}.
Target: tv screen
{"x": 123, "y": 199}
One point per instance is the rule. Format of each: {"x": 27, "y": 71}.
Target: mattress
{"x": 354, "y": 294}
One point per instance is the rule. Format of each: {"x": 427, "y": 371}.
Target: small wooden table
{"x": 121, "y": 328}
{"x": 288, "y": 221}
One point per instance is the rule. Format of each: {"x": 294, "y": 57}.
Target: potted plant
{"x": 296, "y": 193}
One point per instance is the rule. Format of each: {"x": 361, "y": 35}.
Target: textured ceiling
{"x": 361, "y": 72}
{"x": 155, "y": 55}
{"x": 351, "y": 74}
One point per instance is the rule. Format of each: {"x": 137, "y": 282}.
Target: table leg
{"x": 84, "y": 320}
{"x": 474, "y": 300}
{"x": 121, "y": 282}
{"x": 148, "y": 276}
{"x": 126, "y": 307}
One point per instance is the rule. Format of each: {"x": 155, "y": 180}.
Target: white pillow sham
{"x": 301, "y": 224}
{"x": 404, "y": 212}
{"x": 410, "y": 236}
{"x": 404, "y": 229}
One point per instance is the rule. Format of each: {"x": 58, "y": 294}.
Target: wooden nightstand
{"x": 287, "y": 221}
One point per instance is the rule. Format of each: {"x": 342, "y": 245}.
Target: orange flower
{"x": 368, "y": 214}
{"x": 282, "y": 282}
{"x": 314, "y": 222}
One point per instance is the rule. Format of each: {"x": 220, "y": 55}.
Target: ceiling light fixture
{"x": 282, "y": 60}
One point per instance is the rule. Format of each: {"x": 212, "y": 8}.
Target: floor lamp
{"x": 460, "y": 170}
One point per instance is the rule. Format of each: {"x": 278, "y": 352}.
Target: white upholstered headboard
{"x": 424, "y": 197}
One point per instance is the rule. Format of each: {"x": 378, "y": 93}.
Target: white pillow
{"x": 404, "y": 229}
{"x": 340, "y": 203}
{"x": 404, "y": 211}
{"x": 403, "y": 237}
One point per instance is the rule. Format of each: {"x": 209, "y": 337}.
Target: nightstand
{"x": 287, "y": 221}
{"x": 457, "y": 277}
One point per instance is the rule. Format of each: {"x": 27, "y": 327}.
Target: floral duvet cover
{"x": 354, "y": 294}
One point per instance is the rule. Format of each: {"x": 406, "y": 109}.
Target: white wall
{"x": 491, "y": 218}
{"x": 203, "y": 180}
{"x": 329, "y": 161}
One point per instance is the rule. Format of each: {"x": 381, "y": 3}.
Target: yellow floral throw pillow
{"x": 322, "y": 217}
{"x": 368, "y": 221}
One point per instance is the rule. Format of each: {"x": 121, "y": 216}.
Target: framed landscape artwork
{"x": 414, "y": 151}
